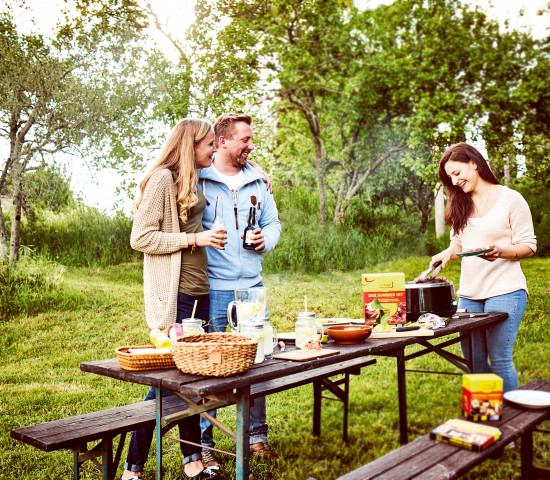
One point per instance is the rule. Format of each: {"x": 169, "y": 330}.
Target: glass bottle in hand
{"x": 249, "y": 230}
{"x": 217, "y": 224}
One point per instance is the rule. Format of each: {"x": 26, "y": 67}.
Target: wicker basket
{"x": 214, "y": 354}
{"x": 145, "y": 361}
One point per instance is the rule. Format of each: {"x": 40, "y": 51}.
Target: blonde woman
{"x": 168, "y": 229}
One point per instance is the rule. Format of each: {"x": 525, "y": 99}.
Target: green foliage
{"x": 85, "y": 89}
{"x": 32, "y": 286}
{"x": 366, "y": 238}
{"x": 352, "y": 90}
{"x": 79, "y": 236}
{"x": 537, "y": 196}
{"x": 48, "y": 188}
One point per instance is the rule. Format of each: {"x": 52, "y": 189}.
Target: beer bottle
{"x": 248, "y": 231}
{"x": 217, "y": 224}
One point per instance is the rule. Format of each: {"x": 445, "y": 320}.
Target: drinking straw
{"x": 305, "y": 303}
{"x": 194, "y": 308}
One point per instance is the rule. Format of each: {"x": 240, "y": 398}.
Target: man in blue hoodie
{"x": 235, "y": 182}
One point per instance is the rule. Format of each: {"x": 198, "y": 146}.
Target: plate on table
{"x": 286, "y": 336}
{"x": 472, "y": 253}
{"x": 529, "y": 398}
{"x": 329, "y": 322}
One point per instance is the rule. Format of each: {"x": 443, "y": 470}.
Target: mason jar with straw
{"x": 306, "y": 328}
{"x": 192, "y": 326}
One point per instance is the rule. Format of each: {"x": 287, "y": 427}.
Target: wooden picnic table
{"x": 216, "y": 392}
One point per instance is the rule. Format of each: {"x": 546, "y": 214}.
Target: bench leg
{"x": 76, "y": 467}
{"x": 116, "y": 461}
{"x": 107, "y": 460}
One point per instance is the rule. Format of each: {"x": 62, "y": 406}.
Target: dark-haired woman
{"x": 483, "y": 213}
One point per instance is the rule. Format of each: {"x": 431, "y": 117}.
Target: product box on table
{"x": 461, "y": 433}
{"x": 389, "y": 290}
{"x": 482, "y": 396}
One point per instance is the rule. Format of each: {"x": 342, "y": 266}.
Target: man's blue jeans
{"x": 219, "y": 300}
{"x": 494, "y": 346}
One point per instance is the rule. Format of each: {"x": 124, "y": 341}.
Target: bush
{"x": 80, "y": 236}
{"x": 382, "y": 234}
{"x": 31, "y": 286}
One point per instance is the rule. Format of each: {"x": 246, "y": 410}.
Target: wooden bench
{"x": 74, "y": 433}
{"x": 429, "y": 459}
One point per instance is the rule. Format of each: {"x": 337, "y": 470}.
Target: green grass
{"x": 41, "y": 381}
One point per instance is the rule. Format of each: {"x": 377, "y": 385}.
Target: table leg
{"x": 402, "y": 397}
{"x": 471, "y": 351}
{"x": 158, "y": 403}
{"x": 317, "y": 405}
{"x": 527, "y": 455}
{"x": 346, "y": 408}
{"x": 243, "y": 433}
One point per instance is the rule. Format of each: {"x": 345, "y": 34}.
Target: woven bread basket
{"x": 214, "y": 354}
{"x": 143, "y": 361}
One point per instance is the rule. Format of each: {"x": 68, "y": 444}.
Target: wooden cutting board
{"x": 394, "y": 334}
{"x": 303, "y": 355}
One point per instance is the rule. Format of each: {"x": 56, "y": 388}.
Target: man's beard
{"x": 240, "y": 160}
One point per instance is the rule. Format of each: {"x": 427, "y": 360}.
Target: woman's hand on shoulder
{"x": 265, "y": 177}
{"x": 212, "y": 238}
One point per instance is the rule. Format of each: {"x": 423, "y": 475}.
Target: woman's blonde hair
{"x": 178, "y": 156}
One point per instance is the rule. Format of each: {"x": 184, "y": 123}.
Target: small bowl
{"x": 349, "y": 334}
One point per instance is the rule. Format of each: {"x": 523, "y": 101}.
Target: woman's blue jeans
{"x": 189, "y": 427}
{"x": 494, "y": 346}
{"x": 219, "y": 301}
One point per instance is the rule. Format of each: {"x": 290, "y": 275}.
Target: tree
{"x": 82, "y": 91}
{"x": 291, "y": 55}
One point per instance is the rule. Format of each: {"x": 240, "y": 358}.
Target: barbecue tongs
{"x": 432, "y": 271}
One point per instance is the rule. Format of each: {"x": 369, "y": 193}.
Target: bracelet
{"x": 194, "y": 241}
{"x": 515, "y": 250}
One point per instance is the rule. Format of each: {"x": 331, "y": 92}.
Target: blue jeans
{"x": 494, "y": 346}
{"x": 189, "y": 427}
{"x": 219, "y": 300}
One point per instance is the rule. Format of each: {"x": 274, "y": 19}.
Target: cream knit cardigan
{"x": 156, "y": 233}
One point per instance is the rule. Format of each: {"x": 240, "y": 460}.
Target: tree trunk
{"x": 4, "y": 256}
{"x": 339, "y": 210}
{"x": 307, "y": 107}
{"x": 358, "y": 179}
{"x": 507, "y": 171}
{"x": 439, "y": 212}
{"x": 320, "y": 168}
{"x": 15, "y": 236}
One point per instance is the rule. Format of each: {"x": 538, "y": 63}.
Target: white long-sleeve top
{"x": 508, "y": 223}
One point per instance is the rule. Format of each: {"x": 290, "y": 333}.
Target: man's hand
{"x": 257, "y": 239}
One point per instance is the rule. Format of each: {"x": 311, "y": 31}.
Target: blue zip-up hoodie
{"x": 236, "y": 267}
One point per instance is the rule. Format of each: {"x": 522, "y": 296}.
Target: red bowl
{"x": 348, "y": 334}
